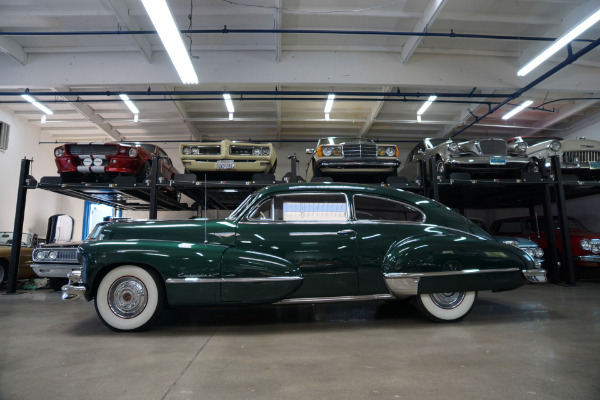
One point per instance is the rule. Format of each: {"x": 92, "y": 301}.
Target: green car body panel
{"x": 242, "y": 260}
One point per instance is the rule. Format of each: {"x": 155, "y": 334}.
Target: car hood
{"x": 60, "y": 245}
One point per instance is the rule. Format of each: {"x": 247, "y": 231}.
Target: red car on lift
{"x": 585, "y": 244}
{"x": 99, "y": 161}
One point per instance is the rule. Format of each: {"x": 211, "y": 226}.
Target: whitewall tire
{"x": 445, "y": 307}
{"x": 129, "y": 298}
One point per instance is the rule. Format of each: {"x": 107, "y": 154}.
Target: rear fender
{"x": 453, "y": 262}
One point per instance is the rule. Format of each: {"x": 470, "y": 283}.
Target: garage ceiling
{"x": 280, "y": 59}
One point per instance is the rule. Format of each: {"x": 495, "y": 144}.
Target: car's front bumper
{"x": 588, "y": 261}
{"x": 55, "y": 270}
{"x": 238, "y": 166}
{"x": 484, "y": 164}
{"x": 75, "y": 289}
{"x": 336, "y": 165}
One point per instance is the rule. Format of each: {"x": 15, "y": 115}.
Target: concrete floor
{"x": 537, "y": 342}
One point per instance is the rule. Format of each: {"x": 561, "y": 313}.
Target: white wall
{"x": 41, "y": 204}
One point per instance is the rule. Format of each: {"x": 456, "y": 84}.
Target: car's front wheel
{"x": 129, "y": 298}
{"x": 444, "y": 307}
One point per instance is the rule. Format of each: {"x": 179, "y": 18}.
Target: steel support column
{"x": 153, "y": 189}
{"x": 15, "y": 253}
{"x": 564, "y": 222}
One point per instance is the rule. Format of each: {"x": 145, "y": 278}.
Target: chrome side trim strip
{"x": 233, "y": 280}
{"x": 302, "y": 300}
{"x": 405, "y": 284}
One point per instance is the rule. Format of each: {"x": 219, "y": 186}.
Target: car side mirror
{"x": 310, "y": 151}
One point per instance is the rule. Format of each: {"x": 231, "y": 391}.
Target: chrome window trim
{"x": 233, "y": 280}
{"x": 302, "y": 300}
{"x": 313, "y": 193}
{"x": 423, "y": 215}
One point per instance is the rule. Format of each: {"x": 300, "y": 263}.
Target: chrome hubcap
{"x": 127, "y": 297}
{"x": 447, "y": 300}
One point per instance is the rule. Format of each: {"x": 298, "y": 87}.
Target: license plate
{"x": 497, "y": 160}
{"x": 594, "y": 164}
{"x": 224, "y": 164}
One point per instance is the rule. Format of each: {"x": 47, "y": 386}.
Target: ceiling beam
{"x": 375, "y": 109}
{"x": 431, "y": 12}
{"x": 13, "y": 49}
{"x": 277, "y": 25}
{"x": 122, "y": 12}
{"x": 87, "y": 111}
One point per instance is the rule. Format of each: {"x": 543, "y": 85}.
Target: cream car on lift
{"x": 227, "y": 160}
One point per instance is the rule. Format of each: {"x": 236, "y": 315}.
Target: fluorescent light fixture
{"x": 129, "y": 104}
{"x": 326, "y": 116}
{"x": 43, "y": 121}
{"x": 560, "y": 43}
{"x": 418, "y": 118}
{"x": 426, "y": 105}
{"x": 231, "y": 116}
{"x": 37, "y": 104}
{"x": 136, "y": 117}
{"x": 228, "y": 102}
{"x": 163, "y": 21}
{"x": 517, "y": 110}
{"x": 329, "y": 103}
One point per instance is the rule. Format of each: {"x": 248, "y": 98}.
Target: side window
{"x": 371, "y": 208}
{"x": 510, "y": 227}
{"x": 306, "y": 207}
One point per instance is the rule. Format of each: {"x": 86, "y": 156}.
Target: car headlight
{"x": 327, "y": 151}
{"x": 52, "y": 255}
{"x": 256, "y": 151}
{"x": 133, "y": 152}
{"x": 195, "y": 150}
{"x": 59, "y": 151}
{"x": 386, "y": 151}
{"x": 530, "y": 251}
{"x": 539, "y": 253}
{"x": 266, "y": 151}
{"x": 595, "y": 248}
{"x": 453, "y": 147}
{"x": 555, "y": 146}
{"x": 585, "y": 244}
{"x": 39, "y": 255}
{"x": 186, "y": 150}
{"x": 522, "y": 147}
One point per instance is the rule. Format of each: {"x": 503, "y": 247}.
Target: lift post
{"x": 563, "y": 220}
{"x": 15, "y": 252}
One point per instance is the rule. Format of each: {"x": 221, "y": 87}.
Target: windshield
{"x": 573, "y": 224}
{"x": 531, "y": 140}
{"x": 6, "y": 239}
{"x": 238, "y": 211}
{"x": 340, "y": 140}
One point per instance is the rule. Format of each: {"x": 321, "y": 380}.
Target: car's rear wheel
{"x": 129, "y": 298}
{"x": 445, "y": 307}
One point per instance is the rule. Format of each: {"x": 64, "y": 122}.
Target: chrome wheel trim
{"x": 447, "y": 301}
{"x": 439, "y": 166}
{"x": 127, "y": 297}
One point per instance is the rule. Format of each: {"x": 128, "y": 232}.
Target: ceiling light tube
{"x": 136, "y": 117}
{"x": 329, "y": 103}
{"x": 517, "y": 110}
{"x": 326, "y": 116}
{"x": 228, "y": 102}
{"x": 37, "y": 104}
{"x": 426, "y": 105}
{"x": 163, "y": 21}
{"x": 231, "y": 116}
{"x": 129, "y": 104}
{"x": 560, "y": 43}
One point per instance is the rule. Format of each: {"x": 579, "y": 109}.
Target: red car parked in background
{"x": 585, "y": 244}
{"x": 104, "y": 161}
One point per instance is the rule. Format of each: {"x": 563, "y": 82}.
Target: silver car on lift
{"x": 481, "y": 158}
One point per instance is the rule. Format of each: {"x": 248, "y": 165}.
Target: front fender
{"x": 453, "y": 262}
{"x": 170, "y": 259}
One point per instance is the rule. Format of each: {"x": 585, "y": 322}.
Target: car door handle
{"x": 346, "y": 232}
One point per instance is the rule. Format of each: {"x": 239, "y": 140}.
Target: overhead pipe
{"x": 570, "y": 59}
{"x": 226, "y": 30}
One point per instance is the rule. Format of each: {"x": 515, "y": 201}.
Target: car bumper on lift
{"x": 483, "y": 164}
{"x": 371, "y": 165}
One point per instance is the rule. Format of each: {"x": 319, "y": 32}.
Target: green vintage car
{"x": 299, "y": 243}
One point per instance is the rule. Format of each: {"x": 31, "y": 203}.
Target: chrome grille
{"x": 207, "y": 150}
{"x": 492, "y": 147}
{"x": 582, "y": 156}
{"x": 68, "y": 255}
{"x": 359, "y": 150}
{"x": 241, "y": 150}
{"x": 95, "y": 149}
